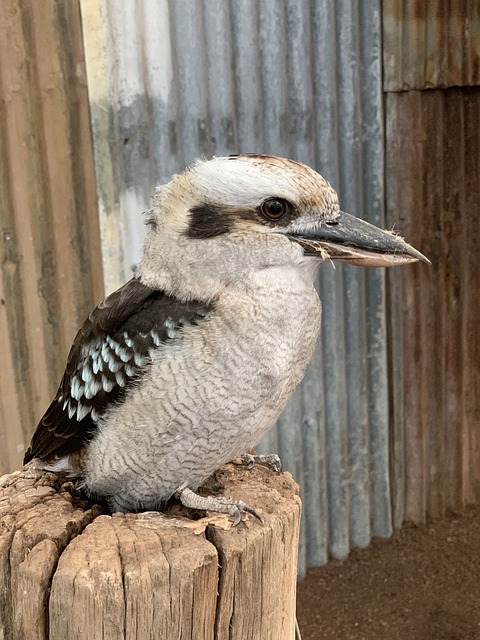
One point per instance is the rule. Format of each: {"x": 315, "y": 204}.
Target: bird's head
{"x": 221, "y": 220}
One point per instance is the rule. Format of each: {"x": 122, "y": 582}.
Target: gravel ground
{"x": 422, "y": 584}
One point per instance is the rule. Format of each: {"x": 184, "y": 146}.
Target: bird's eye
{"x": 275, "y": 208}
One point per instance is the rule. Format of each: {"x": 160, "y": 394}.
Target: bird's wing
{"x": 110, "y": 351}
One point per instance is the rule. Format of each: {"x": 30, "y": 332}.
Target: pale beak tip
{"x": 417, "y": 255}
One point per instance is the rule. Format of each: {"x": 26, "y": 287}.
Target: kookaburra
{"x": 187, "y": 365}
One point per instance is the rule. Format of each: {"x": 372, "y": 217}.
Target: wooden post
{"x": 69, "y": 571}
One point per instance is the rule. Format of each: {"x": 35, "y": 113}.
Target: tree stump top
{"x": 68, "y": 570}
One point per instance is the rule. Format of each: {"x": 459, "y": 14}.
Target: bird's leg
{"x": 221, "y": 504}
{"x": 270, "y": 460}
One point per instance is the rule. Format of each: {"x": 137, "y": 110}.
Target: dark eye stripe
{"x": 208, "y": 221}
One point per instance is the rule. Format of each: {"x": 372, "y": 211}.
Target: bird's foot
{"x": 270, "y": 460}
{"x": 221, "y": 504}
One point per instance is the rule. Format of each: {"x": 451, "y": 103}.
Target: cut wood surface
{"x": 69, "y": 571}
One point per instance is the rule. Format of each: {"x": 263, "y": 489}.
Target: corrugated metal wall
{"x": 170, "y": 81}
{"x": 50, "y": 249}
{"x": 430, "y": 44}
{"x": 433, "y": 179}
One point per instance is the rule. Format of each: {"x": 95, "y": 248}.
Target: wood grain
{"x": 67, "y": 570}
{"x": 433, "y": 186}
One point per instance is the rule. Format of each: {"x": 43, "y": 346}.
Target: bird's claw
{"x": 270, "y": 460}
{"x": 220, "y": 504}
{"x": 240, "y": 508}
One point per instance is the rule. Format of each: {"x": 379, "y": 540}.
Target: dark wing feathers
{"x": 110, "y": 351}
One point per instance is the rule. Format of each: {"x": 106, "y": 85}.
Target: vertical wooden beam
{"x": 433, "y": 196}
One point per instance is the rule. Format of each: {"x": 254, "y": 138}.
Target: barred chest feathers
{"x": 209, "y": 396}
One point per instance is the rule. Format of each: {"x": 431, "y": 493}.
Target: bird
{"x": 186, "y": 366}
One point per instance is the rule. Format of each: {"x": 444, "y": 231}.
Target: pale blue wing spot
{"x": 115, "y": 365}
{"x": 107, "y": 384}
{"x": 111, "y": 342}
{"x": 171, "y": 327}
{"x": 156, "y": 338}
{"x": 105, "y": 353}
{"x": 82, "y": 411}
{"x": 121, "y": 352}
{"x": 87, "y": 374}
{"x": 92, "y": 389}
{"x": 120, "y": 378}
{"x": 139, "y": 359}
{"x": 128, "y": 341}
{"x": 97, "y": 363}
{"x": 124, "y": 355}
{"x": 130, "y": 370}
{"x": 109, "y": 358}
{"x": 76, "y": 388}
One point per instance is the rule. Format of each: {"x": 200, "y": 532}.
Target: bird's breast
{"x": 271, "y": 333}
{"x": 210, "y": 395}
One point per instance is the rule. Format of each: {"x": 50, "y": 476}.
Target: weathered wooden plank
{"x": 433, "y": 195}
{"x": 469, "y": 323}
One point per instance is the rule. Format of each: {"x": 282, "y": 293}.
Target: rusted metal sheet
{"x": 433, "y": 191}
{"x": 430, "y": 44}
{"x": 50, "y": 249}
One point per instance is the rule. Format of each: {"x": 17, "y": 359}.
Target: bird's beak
{"x": 357, "y": 242}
